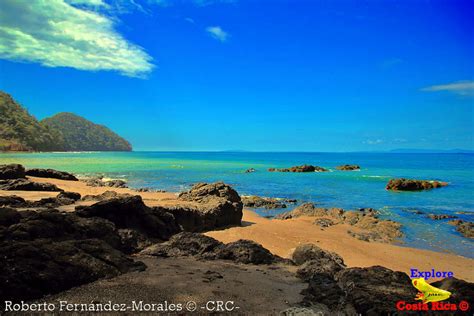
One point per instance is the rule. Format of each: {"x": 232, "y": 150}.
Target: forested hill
{"x": 82, "y": 135}
{"x": 20, "y": 131}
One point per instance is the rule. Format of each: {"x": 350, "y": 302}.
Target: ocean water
{"x": 177, "y": 171}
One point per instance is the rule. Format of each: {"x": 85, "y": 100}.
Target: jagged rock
{"x": 185, "y": 244}
{"x": 217, "y": 205}
{"x": 133, "y": 241}
{"x": 131, "y": 212}
{"x": 12, "y": 171}
{"x": 12, "y": 200}
{"x": 324, "y": 290}
{"x": 107, "y": 195}
{"x": 101, "y": 182}
{"x": 32, "y": 269}
{"x": 375, "y": 290}
{"x": 265, "y": 202}
{"x": 314, "y": 261}
{"x": 27, "y": 185}
{"x": 245, "y": 251}
{"x": 441, "y": 216}
{"x": 305, "y": 209}
{"x": 303, "y": 168}
{"x": 50, "y": 173}
{"x": 69, "y": 195}
{"x": 413, "y": 185}
{"x": 348, "y": 167}
{"x": 464, "y": 227}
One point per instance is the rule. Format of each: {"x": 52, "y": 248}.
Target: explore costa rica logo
{"x": 430, "y": 294}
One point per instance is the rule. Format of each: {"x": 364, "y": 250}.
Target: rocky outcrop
{"x": 464, "y": 227}
{"x": 50, "y": 173}
{"x": 102, "y": 182}
{"x": 413, "y": 185}
{"x": 302, "y": 168}
{"x": 215, "y": 205}
{"x": 107, "y": 195}
{"x": 131, "y": 212}
{"x": 366, "y": 219}
{"x": 26, "y": 185}
{"x": 348, "y": 167}
{"x": 314, "y": 260}
{"x": 460, "y": 291}
{"x": 63, "y": 198}
{"x": 262, "y": 202}
{"x": 441, "y": 216}
{"x": 49, "y": 251}
{"x": 12, "y": 171}
{"x": 204, "y": 247}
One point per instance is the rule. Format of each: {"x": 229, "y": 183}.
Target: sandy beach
{"x": 282, "y": 237}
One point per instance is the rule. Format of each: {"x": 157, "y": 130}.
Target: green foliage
{"x": 82, "y": 135}
{"x": 20, "y": 131}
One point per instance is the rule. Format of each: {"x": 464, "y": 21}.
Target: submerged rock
{"x": 250, "y": 170}
{"x": 26, "y": 185}
{"x": 441, "y": 216}
{"x": 464, "y": 227}
{"x": 348, "y": 167}
{"x": 12, "y": 171}
{"x": 413, "y": 185}
{"x": 302, "y": 168}
{"x": 265, "y": 202}
{"x": 50, "y": 173}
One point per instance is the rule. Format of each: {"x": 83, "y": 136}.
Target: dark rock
{"x": 464, "y": 227}
{"x": 107, "y": 195}
{"x": 245, "y": 251}
{"x": 323, "y": 289}
{"x": 185, "y": 244}
{"x": 348, "y": 167}
{"x": 69, "y": 195}
{"x": 413, "y": 185}
{"x": 9, "y": 216}
{"x": 314, "y": 261}
{"x": 12, "y": 171}
{"x": 50, "y": 173}
{"x": 324, "y": 222}
{"x": 216, "y": 205}
{"x": 265, "y": 202}
{"x": 375, "y": 290}
{"x": 441, "y": 216}
{"x": 32, "y": 269}
{"x": 131, "y": 212}
{"x": 133, "y": 241}
{"x": 12, "y": 200}
{"x": 26, "y": 185}
{"x": 460, "y": 291}
{"x": 303, "y": 168}
{"x": 250, "y": 170}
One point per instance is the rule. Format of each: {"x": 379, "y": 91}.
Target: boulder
{"x": 413, "y": 185}
{"x": 216, "y": 205}
{"x": 27, "y": 185}
{"x": 12, "y": 200}
{"x": 101, "y": 182}
{"x": 107, "y": 195}
{"x": 262, "y": 202}
{"x": 348, "y": 167}
{"x": 131, "y": 212}
{"x": 305, "y": 209}
{"x": 50, "y": 173}
{"x": 69, "y": 195}
{"x": 12, "y": 171}
{"x": 375, "y": 290}
{"x": 464, "y": 227}
{"x": 315, "y": 261}
{"x": 8, "y": 216}
{"x": 245, "y": 251}
{"x": 324, "y": 222}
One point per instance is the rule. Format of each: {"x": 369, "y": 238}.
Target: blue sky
{"x": 249, "y": 75}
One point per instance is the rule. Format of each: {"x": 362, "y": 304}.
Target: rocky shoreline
{"x": 46, "y": 250}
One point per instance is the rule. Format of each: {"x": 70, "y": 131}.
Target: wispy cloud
{"x": 464, "y": 88}
{"x": 217, "y": 33}
{"x": 58, "y": 33}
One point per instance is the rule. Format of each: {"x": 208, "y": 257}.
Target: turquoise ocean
{"x": 177, "y": 171}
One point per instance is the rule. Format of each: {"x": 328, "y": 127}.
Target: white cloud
{"x": 218, "y": 33}
{"x": 465, "y": 88}
{"x": 58, "y": 33}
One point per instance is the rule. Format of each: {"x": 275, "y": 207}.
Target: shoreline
{"x": 282, "y": 237}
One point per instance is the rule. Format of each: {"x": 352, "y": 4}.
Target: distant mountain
{"x": 20, "y": 131}
{"x": 82, "y": 135}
